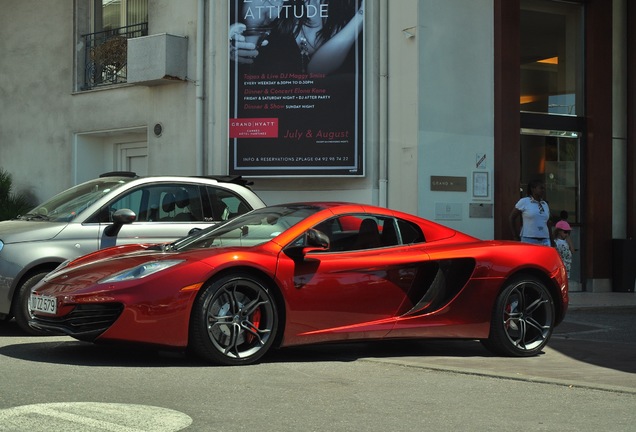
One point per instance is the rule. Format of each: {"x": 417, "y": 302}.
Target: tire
{"x": 20, "y": 306}
{"x": 234, "y": 321}
{"x": 523, "y": 319}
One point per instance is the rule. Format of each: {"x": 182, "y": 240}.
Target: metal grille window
{"x": 113, "y": 22}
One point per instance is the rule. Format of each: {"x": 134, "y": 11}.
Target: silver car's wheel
{"x": 20, "y": 306}
{"x": 234, "y": 320}
{"x": 523, "y": 319}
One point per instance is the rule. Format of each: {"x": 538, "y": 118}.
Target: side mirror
{"x": 315, "y": 241}
{"x": 120, "y": 218}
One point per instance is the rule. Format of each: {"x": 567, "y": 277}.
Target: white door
{"x": 133, "y": 157}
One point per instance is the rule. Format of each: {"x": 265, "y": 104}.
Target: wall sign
{"x": 448, "y": 183}
{"x": 481, "y": 186}
{"x": 448, "y": 211}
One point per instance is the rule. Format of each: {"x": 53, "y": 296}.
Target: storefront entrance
{"x": 554, "y": 157}
{"x": 552, "y": 111}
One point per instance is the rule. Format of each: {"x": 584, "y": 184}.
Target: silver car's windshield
{"x": 67, "y": 205}
{"x": 256, "y": 227}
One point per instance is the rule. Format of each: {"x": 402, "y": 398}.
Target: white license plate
{"x": 44, "y": 304}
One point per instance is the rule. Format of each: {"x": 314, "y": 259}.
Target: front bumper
{"x": 85, "y": 322}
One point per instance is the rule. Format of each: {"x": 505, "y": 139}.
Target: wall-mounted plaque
{"x": 478, "y": 210}
{"x": 448, "y": 183}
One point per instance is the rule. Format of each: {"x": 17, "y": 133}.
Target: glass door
{"x": 552, "y": 116}
{"x": 554, "y": 157}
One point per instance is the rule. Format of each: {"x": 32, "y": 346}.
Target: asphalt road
{"x": 584, "y": 381}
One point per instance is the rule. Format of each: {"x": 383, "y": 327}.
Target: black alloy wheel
{"x": 234, "y": 320}
{"x": 523, "y": 319}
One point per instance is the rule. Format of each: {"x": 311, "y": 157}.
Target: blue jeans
{"x": 537, "y": 241}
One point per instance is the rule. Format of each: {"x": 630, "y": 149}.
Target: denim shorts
{"x": 537, "y": 241}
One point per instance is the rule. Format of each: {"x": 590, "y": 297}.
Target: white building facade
{"x": 433, "y": 108}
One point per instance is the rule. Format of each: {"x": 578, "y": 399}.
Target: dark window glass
{"x": 113, "y": 14}
{"x": 552, "y": 57}
{"x": 553, "y": 156}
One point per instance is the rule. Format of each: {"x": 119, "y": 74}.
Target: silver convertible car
{"x": 74, "y": 223}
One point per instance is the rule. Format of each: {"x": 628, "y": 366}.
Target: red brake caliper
{"x": 256, "y": 322}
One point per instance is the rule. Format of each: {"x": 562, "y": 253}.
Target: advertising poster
{"x": 296, "y": 81}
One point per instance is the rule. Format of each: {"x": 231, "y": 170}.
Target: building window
{"x": 112, "y": 23}
{"x": 552, "y": 57}
{"x": 552, "y": 100}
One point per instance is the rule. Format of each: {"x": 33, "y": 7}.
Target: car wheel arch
{"x": 44, "y": 267}
{"x": 545, "y": 279}
{"x": 47, "y": 264}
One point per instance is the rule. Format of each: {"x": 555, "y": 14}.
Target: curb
{"x": 508, "y": 376}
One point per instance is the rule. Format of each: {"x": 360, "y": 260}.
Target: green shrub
{"x": 12, "y": 204}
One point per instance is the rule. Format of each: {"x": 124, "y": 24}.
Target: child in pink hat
{"x": 562, "y": 231}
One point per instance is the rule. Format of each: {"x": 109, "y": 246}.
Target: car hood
{"x": 85, "y": 272}
{"x": 19, "y": 231}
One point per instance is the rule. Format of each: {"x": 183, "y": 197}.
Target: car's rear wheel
{"x": 20, "y": 306}
{"x": 234, "y": 320}
{"x": 523, "y": 319}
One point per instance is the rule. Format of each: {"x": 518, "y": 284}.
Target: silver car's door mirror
{"x": 120, "y": 218}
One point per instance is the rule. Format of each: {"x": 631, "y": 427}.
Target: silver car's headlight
{"x": 1, "y": 245}
{"x": 141, "y": 271}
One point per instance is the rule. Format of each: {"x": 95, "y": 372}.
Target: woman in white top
{"x": 535, "y": 217}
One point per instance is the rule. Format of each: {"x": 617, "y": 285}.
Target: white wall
{"x": 456, "y": 105}
{"x": 36, "y": 78}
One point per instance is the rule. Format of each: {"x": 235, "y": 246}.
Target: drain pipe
{"x": 384, "y": 110}
{"x": 199, "y": 87}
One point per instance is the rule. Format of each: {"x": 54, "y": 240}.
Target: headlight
{"x": 141, "y": 271}
{"x": 1, "y": 245}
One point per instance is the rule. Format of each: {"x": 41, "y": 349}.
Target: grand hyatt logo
{"x": 254, "y": 128}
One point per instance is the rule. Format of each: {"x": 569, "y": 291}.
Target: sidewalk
{"x": 591, "y": 300}
{"x": 576, "y": 356}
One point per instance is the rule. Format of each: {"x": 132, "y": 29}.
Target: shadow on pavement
{"x": 11, "y": 329}
{"x": 608, "y": 342}
{"x": 582, "y": 345}
{"x": 65, "y": 350}
{"x": 72, "y": 352}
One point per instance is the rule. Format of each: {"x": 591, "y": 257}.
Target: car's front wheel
{"x": 20, "y": 305}
{"x": 523, "y": 319}
{"x": 234, "y": 320}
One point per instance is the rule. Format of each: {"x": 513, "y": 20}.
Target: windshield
{"x": 251, "y": 229}
{"x": 67, "y": 205}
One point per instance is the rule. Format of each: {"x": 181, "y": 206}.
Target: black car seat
{"x": 389, "y": 234}
{"x": 168, "y": 205}
{"x": 183, "y": 202}
{"x": 368, "y": 235}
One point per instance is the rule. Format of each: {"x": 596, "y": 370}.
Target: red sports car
{"x": 307, "y": 273}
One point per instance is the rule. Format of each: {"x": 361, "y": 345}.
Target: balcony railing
{"x": 105, "y": 55}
